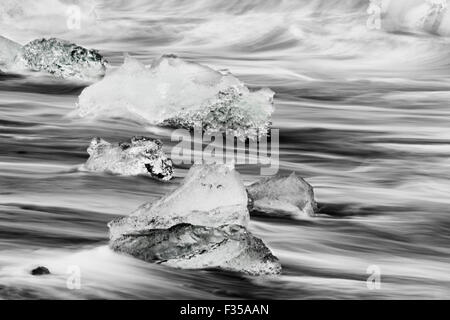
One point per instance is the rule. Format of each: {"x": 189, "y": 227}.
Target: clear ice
{"x": 201, "y": 224}
{"x": 62, "y": 59}
{"x": 177, "y": 93}
{"x": 229, "y": 247}
{"x": 210, "y": 195}
{"x": 8, "y": 51}
{"x": 139, "y": 156}
{"x": 282, "y": 196}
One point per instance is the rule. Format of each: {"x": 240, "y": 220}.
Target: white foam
{"x": 416, "y": 16}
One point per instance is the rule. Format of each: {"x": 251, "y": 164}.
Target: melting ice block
{"x": 61, "y": 58}
{"x": 283, "y": 196}
{"x": 210, "y": 195}
{"x": 139, "y": 156}
{"x": 180, "y": 94}
{"x": 186, "y": 246}
{"x": 8, "y": 51}
{"x": 199, "y": 225}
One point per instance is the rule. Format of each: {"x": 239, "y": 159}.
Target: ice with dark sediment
{"x": 202, "y": 224}
{"x": 141, "y": 155}
{"x": 177, "y": 93}
{"x": 283, "y": 196}
{"x": 210, "y": 195}
{"x": 60, "y": 58}
{"x": 229, "y": 247}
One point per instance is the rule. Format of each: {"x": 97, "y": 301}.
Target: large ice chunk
{"x": 199, "y": 225}
{"x": 180, "y": 94}
{"x": 210, "y": 195}
{"x": 186, "y": 246}
{"x": 8, "y": 51}
{"x": 62, "y": 59}
{"x": 283, "y": 196}
{"x": 139, "y": 156}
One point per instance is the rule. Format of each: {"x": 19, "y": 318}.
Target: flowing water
{"x": 363, "y": 117}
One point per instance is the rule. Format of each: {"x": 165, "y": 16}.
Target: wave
{"x": 200, "y": 21}
{"x": 301, "y": 38}
{"x": 430, "y": 16}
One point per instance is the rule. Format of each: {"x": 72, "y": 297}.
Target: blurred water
{"x": 363, "y": 116}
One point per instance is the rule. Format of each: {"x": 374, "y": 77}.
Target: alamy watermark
{"x": 73, "y": 281}
{"x": 196, "y": 147}
{"x": 374, "y": 11}
{"x": 74, "y": 17}
{"x": 373, "y": 282}
{"x": 75, "y": 14}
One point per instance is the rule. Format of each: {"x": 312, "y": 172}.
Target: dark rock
{"x": 39, "y": 271}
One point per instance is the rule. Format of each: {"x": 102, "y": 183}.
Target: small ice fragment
{"x": 139, "y": 156}
{"x": 229, "y": 247}
{"x": 283, "y": 196}
{"x": 62, "y": 59}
